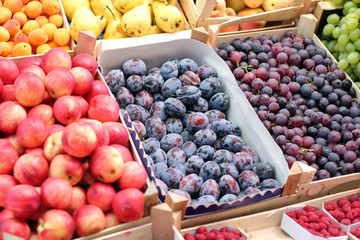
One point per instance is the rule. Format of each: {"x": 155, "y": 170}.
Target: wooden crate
{"x": 199, "y": 14}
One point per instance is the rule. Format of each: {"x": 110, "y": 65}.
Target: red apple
{"x": 59, "y": 82}
{"x": 34, "y": 236}
{"x": 42, "y": 209}
{"x": 101, "y": 134}
{"x": 34, "y": 69}
{"x": 251, "y": 25}
{"x": 25, "y": 62}
{"x": 98, "y": 88}
{"x": 134, "y": 176}
{"x": 15, "y": 227}
{"x": 22, "y": 200}
{"x": 48, "y": 100}
{"x": 31, "y": 132}
{"x": 31, "y": 169}
{"x": 43, "y": 112}
{"x": 13, "y": 139}
{"x": 1, "y": 86}
{"x": 53, "y": 145}
{"x": 53, "y": 129}
{"x": 6, "y": 182}
{"x": 86, "y": 61}
{"x": 117, "y": 132}
{"x": 78, "y": 199}
{"x": 8, "y": 71}
{"x": 55, "y": 58}
{"x": 124, "y": 152}
{"x": 83, "y": 80}
{"x": 66, "y": 167}
{"x": 88, "y": 178}
{"x": 101, "y": 195}
{"x": 106, "y": 164}
{"x": 104, "y": 108}
{"x": 11, "y": 114}
{"x": 36, "y": 151}
{"x": 29, "y": 89}
{"x": 56, "y": 224}
{"x": 79, "y": 139}
{"x": 83, "y": 105}
{"x": 111, "y": 220}
{"x": 233, "y": 28}
{"x": 7, "y": 93}
{"x": 128, "y": 204}
{"x": 89, "y": 219}
{"x": 56, "y": 193}
{"x": 219, "y": 9}
{"x": 8, "y": 157}
{"x": 67, "y": 110}
{"x": 6, "y": 215}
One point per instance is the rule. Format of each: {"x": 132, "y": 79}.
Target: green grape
{"x": 358, "y": 67}
{"x": 351, "y": 10}
{"x": 357, "y": 44}
{"x": 353, "y": 15}
{"x": 344, "y": 29}
{"x": 336, "y": 32}
{"x": 325, "y": 42}
{"x": 349, "y": 70}
{"x": 357, "y": 12}
{"x": 357, "y": 74}
{"x": 337, "y": 47}
{"x": 328, "y": 28}
{"x": 336, "y": 55}
{"x": 343, "y": 55}
{"x": 342, "y": 48}
{"x": 352, "y": 76}
{"x": 349, "y": 4}
{"x": 331, "y": 45}
{"x": 343, "y": 64}
{"x": 357, "y": 84}
{"x": 345, "y": 12}
{"x": 338, "y": 1}
{"x": 350, "y": 47}
{"x": 353, "y": 57}
{"x": 342, "y": 21}
{"x": 353, "y": 66}
{"x": 333, "y": 19}
{"x": 356, "y": 1}
{"x": 351, "y": 23}
{"x": 343, "y": 39}
{"x": 354, "y": 34}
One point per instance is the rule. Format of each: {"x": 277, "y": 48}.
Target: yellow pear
{"x": 137, "y": 21}
{"x": 126, "y": 5}
{"x": 113, "y": 30}
{"x": 83, "y": 20}
{"x": 155, "y": 30}
{"x": 71, "y": 5}
{"x": 102, "y": 23}
{"x": 168, "y": 18}
{"x": 98, "y": 5}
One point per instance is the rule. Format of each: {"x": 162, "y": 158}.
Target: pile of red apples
{"x": 65, "y": 169}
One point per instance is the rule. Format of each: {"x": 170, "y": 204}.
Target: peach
{"x": 6, "y": 50}
{"x": 53, "y": 145}
{"x": 124, "y": 151}
{"x": 253, "y": 3}
{"x": 83, "y": 105}
{"x": 6, "y": 182}
{"x": 22, "y": 200}
{"x": 128, "y": 204}
{"x": 98, "y": 88}
{"x": 83, "y": 80}
{"x": 66, "y": 167}
{"x": 86, "y": 61}
{"x": 11, "y": 114}
{"x": 30, "y": 26}
{"x": 59, "y": 82}
{"x": 251, "y": 25}
{"x": 134, "y": 176}
{"x": 55, "y": 58}
{"x": 38, "y": 37}
{"x": 219, "y": 9}
{"x": 106, "y": 164}
{"x": 101, "y": 195}
{"x": 88, "y": 219}
{"x": 20, "y": 17}
{"x": 52, "y": 43}
{"x": 13, "y": 5}
{"x": 67, "y": 110}
{"x": 29, "y": 89}
{"x": 31, "y": 132}
{"x": 56, "y": 193}
{"x": 43, "y": 48}
{"x": 78, "y": 199}
{"x": 33, "y": 9}
{"x": 270, "y": 5}
{"x": 50, "y": 29}
{"x": 111, "y": 220}
{"x": 62, "y": 36}
{"x": 21, "y": 37}
{"x": 56, "y": 19}
{"x": 13, "y": 26}
{"x": 13, "y": 139}
{"x": 51, "y": 7}
{"x": 31, "y": 169}
{"x": 101, "y": 134}
{"x": 5, "y": 15}
{"x": 56, "y": 224}
{"x": 16, "y": 228}
{"x": 104, "y": 109}
{"x": 8, "y": 70}
{"x": 44, "y": 113}
{"x": 28, "y": 61}
{"x": 79, "y": 139}
{"x": 21, "y": 49}
{"x": 35, "y": 69}
{"x": 53, "y": 129}
{"x": 42, "y": 20}
{"x": 117, "y": 132}
{"x": 37, "y": 151}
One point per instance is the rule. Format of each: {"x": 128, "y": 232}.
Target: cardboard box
{"x": 298, "y": 232}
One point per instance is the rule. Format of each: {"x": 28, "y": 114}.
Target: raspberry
{"x": 319, "y": 234}
{"x": 188, "y": 236}
{"x": 324, "y": 232}
{"x": 309, "y": 209}
{"x": 338, "y": 215}
{"x": 300, "y": 213}
{"x": 322, "y": 226}
{"x": 310, "y": 230}
{"x": 346, "y": 221}
{"x": 353, "y": 198}
{"x": 210, "y": 236}
{"x": 224, "y": 229}
{"x": 220, "y": 237}
{"x": 356, "y": 220}
{"x": 300, "y": 222}
{"x": 357, "y": 210}
{"x": 215, "y": 231}
{"x": 355, "y": 204}
{"x": 325, "y": 220}
{"x": 333, "y": 231}
{"x": 331, "y": 205}
{"x": 314, "y": 226}
{"x": 291, "y": 214}
{"x": 343, "y": 201}
{"x": 352, "y": 214}
{"x": 231, "y": 236}
{"x": 342, "y": 233}
{"x": 346, "y": 208}
{"x": 305, "y": 225}
{"x": 304, "y": 218}
{"x": 200, "y": 236}
{"x": 236, "y": 232}
{"x": 202, "y": 230}
{"x": 242, "y": 238}
{"x": 313, "y": 217}
{"x": 334, "y": 225}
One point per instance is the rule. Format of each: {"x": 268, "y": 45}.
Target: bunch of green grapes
{"x": 343, "y": 38}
